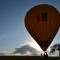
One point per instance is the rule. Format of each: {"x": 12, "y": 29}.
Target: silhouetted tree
{"x": 54, "y": 48}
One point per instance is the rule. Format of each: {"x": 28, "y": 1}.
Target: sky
{"x": 13, "y": 33}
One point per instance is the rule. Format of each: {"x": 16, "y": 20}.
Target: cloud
{"x": 27, "y": 50}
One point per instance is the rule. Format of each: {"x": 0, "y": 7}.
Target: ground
{"x": 27, "y": 58}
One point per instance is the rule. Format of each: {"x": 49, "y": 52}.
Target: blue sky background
{"x": 13, "y": 33}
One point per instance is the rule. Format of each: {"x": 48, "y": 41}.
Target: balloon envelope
{"x": 42, "y": 23}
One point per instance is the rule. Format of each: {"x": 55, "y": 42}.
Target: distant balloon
{"x": 42, "y": 23}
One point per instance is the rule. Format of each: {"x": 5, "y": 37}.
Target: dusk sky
{"x": 13, "y": 33}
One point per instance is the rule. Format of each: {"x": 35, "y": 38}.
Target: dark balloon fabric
{"x": 42, "y": 23}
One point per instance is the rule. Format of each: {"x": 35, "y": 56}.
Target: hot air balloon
{"x": 42, "y": 23}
